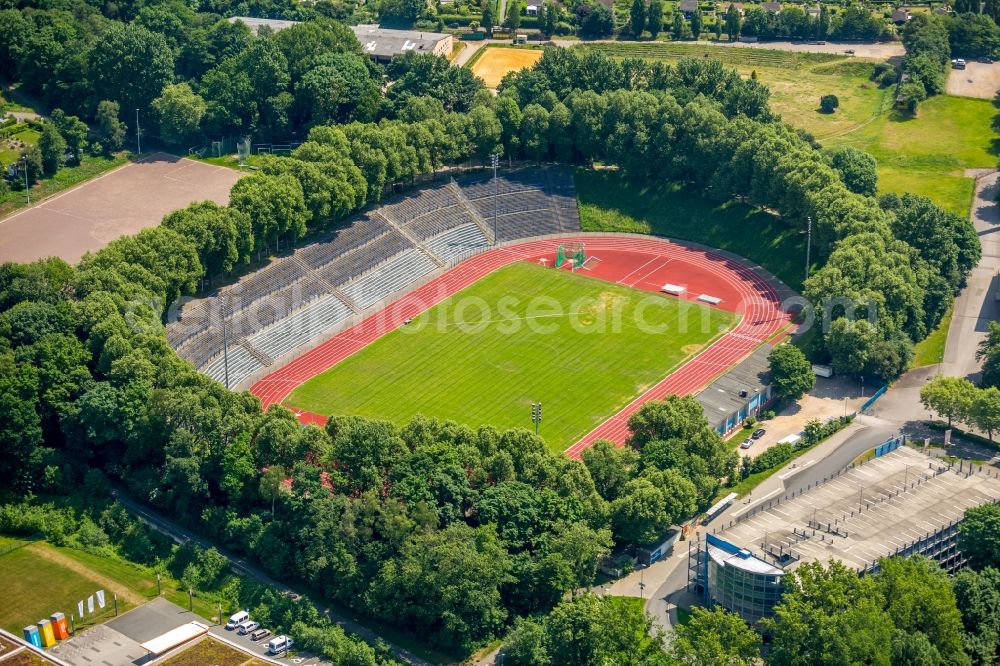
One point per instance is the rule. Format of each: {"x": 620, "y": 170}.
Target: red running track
{"x": 642, "y": 263}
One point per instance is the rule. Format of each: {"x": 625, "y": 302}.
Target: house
{"x": 382, "y": 44}
{"x": 772, "y": 7}
{"x": 688, "y": 7}
{"x": 659, "y": 548}
{"x": 900, "y": 16}
{"x": 532, "y": 10}
{"x": 255, "y": 24}
{"x": 942, "y": 11}
{"x": 812, "y": 12}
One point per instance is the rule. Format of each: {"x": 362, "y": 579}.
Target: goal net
{"x": 572, "y": 252}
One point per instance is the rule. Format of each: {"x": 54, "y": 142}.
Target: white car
{"x": 747, "y": 443}
{"x": 248, "y": 627}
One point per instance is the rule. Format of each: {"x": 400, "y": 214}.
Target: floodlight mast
{"x": 138, "y": 146}
{"x": 495, "y": 159}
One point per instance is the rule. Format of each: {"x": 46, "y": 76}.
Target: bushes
{"x": 828, "y": 103}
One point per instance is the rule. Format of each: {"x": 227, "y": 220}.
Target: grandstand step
{"x": 476, "y": 217}
{"x": 264, "y": 359}
{"x": 346, "y": 300}
{"x": 416, "y": 243}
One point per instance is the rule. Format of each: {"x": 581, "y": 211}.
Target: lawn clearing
{"x": 930, "y": 350}
{"x": 610, "y": 202}
{"x": 42, "y": 585}
{"x": 493, "y": 63}
{"x": 522, "y": 334}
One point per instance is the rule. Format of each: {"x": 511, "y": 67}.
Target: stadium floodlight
{"x": 138, "y": 146}
{"x": 809, "y": 238}
{"x": 27, "y": 190}
{"x": 536, "y": 414}
{"x": 495, "y": 160}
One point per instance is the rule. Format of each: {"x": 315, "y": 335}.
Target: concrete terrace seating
{"x": 365, "y": 228}
{"x": 299, "y": 299}
{"x": 419, "y": 203}
{"x": 438, "y": 222}
{"x": 458, "y": 242}
{"x": 342, "y": 270}
{"x": 391, "y": 276}
{"x": 308, "y": 323}
{"x": 241, "y": 364}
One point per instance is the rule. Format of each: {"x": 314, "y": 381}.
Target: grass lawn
{"x": 46, "y": 579}
{"x": 924, "y": 154}
{"x": 208, "y": 651}
{"x": 930, "y": 350}
{"x": 10, "y": 150}
{"x": 519, "y": 335}
{"x": 609, "y": 202}
{"x": 89, "y": 167}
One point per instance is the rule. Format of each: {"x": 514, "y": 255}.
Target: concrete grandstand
{"x": 305, "y": 297}
{"x": 901, "y": 502}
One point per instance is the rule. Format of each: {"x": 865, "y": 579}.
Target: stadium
{"x": 352, "y": 322}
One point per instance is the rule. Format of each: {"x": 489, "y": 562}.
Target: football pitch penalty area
{"x": 521, "y": 335}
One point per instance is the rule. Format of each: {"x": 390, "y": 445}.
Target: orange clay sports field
{"x": 494, "y": 63}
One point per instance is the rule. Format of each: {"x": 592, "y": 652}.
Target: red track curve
{"x": 634, "y": 261}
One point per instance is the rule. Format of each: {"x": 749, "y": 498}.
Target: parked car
{"x": 248, "y": 627}
{"x": 758, "y": 433}
{"x": 747, "y": 443}
{"x": 278, "y": 645}
{"x": 986, "y": 60}
{"x": 237, "y": 619}
{"x": 259, "y": 634}
{"x": 958, "y": 63}
{"x": 849, "y": 51}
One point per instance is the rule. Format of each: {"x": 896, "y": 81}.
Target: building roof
{"x": 385, "y": 43}
{"x": 901, "y": 15}
{"x": 255, "y": 24}
{"x": 174, "y": 637}
{"x": 688, "y": 5}
{"x": 722, "y": 397}
{"x": 772, "y": 6}
{"x": 868, "y": 512}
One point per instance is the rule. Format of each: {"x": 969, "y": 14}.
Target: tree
{"x": 677, "y": 30}
{"x": 791, "y": 372}
{"x": 223, "y": 236}
{"x": 828, "y": 103}
{"x": 910, "y": 94}
{"x": 275, "y": 205}
{"x": 31, "y": 161}
{"x": 52, "y": 146}
{"x": 130, "y": 65}
{"x": 73, "y": 130}
{"x": 179, "y": 112}
{"x": 949, "y": 397}
{"x": 489, "y": 18}
{"x": 404, "y": 11}
{"x": 600, "y": 22}
{"x": 829, "y": 616}
{"x": 696, "y": 23}
{"x": 610, "y": 467}
{"x": 977, "y": 594}
{"x": 733, "y": 22}
{"x": 535, "y": 132}
{"x": 715, "y": 637}
{"x": 718, "y": 28}
{"x": 272, "y": 484}
{"x": 637, "y": 17}
{"x": 550, "y": 19}
{"x": 110, "y": 130}
{"x": 513, "y": 15}
{"x": 985, "y": 412}
{"x": 858, "y": 170}
{"x": 919, "y": 599}
{"x": 979, "y": 536}
{"x": 989, "y": 354}
{"x": 654, "y": 22}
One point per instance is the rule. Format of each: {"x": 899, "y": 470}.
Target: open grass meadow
{"x": 520, "y": 335}
{"x": 926, "y": 153}
{"x": 610, "y": 202}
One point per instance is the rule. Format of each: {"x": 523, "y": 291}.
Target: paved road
{"x": 183, "y": 535}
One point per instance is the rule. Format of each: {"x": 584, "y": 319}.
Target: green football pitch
{"x": 582, "y": 347}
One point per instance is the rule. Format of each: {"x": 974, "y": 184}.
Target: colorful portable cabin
{"x": 32, "y": 636}
{"x": 48, "y": 636}
{"x": 59, "y": 627}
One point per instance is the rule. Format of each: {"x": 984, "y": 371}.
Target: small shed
{"x": 658, "y": 548}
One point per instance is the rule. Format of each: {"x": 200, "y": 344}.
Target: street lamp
{"x": 27, "y": 190}
{"x": 138, "y": 147}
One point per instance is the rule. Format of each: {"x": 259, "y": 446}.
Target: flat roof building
{"x": 901, "y": 502}
{"x": 382, "y": 44}
{"x": 741, "y": 392}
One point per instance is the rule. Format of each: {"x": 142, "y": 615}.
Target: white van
{"x": 237, "y": 619}
{"x": 248, "y": 626}
{"x": 279, "y": 644}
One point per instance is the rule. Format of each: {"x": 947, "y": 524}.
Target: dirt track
{"x": 123, "y": 201}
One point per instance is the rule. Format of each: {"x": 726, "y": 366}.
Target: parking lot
{"x": 260, "y": 647}
{"x": 978, "y": 79}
